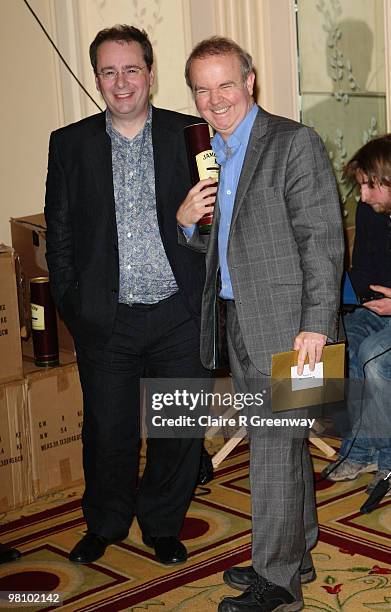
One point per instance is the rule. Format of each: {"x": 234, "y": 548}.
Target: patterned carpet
{"x": 352, "y": 558}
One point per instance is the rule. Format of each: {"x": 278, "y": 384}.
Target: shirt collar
{"x": 226, "y": 149}
{"x": 115, "y": 135}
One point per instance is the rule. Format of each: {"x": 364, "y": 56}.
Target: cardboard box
{"x": 55, "y": 415}
{"x": 29, "y": 241}
{"x": 40, "y": 433}
{"x": 10, "y": 342}
{"x": 15, "y": 456}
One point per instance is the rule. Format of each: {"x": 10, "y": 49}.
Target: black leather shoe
{"x": 241, "y": 578}
{"x": 168, "y": 549}
{"x": 90, "y": 548}
{"x": 261, "y": 596}
{"x": 205, "y": 473}
{"x": 8, "y": 554}
{"x": 148, "y": 540}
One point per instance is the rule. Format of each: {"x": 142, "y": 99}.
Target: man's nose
{"x": 121, "y": 80}
{"x": 215, "y": 95}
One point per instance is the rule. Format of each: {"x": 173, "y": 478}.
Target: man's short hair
{"x": 373, "y": 160}
{"x": 122, "y": 33}
{"x": 219, "y": 45}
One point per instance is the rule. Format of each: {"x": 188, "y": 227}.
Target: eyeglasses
{"x": 130, "y": 73}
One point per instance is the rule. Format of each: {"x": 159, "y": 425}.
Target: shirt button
{"x": 229, "y": 192}
{"x": 128, "y": 234}
{"x": 128, "y": 266}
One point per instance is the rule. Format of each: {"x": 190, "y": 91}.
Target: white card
{"x": 308, "y": 380}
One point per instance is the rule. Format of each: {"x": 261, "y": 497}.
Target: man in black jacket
{"x": 368, "y": 329}
{"x": 128, "y": 292}
{"x": 372, "y": 249}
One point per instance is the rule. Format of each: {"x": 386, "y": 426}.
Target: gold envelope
{"x": 332, "y": 389}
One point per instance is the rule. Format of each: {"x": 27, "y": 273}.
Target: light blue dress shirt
{"x": 230, "y": 155}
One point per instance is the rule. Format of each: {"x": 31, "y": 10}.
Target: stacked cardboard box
{"x": 10, "y": 348}
{"x": 15, "y": 465}
{"x": 54, "y": 411}
{"x": 40, "y": 409}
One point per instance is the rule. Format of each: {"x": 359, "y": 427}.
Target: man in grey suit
{"x": 274, "y": 256}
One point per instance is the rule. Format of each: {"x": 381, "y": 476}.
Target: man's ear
{"x": 151, "y": 78}
{"x": 250, "y": 83}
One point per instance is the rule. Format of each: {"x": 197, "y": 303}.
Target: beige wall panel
{"x": 277, "y": 58}
{"x": 29, "y": 109}
{"x": 202, "y": 17}
{"x": 367, "y": 69}
{"x": 66, "y": 33}
{"x": 266, "y": 29}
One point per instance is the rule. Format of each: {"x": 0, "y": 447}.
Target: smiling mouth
{"x": 221, "y": 111}
{"x": 124, "y": 95}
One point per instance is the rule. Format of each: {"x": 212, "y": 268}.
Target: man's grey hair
{"x": 219, "y": 45}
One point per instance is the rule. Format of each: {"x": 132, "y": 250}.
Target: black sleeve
{"x": 362, "y": 259}
{"x": 59, "y": 243}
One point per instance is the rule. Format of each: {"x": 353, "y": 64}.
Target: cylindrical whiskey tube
{"x": 202, "y": 163}
{"x": 43, "y": 323}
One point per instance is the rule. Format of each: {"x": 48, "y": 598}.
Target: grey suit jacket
{"x": 285, "y": 248}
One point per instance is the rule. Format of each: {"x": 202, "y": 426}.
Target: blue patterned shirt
{"x": 144, "y": 270}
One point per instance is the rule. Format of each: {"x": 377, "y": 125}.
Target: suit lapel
{"x": 99, "y": 156}
{"x": 164, "y": 154}
{"x": 254, "y": 151}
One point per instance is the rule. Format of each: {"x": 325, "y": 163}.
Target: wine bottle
{"x": 202, "y": 163}
{"x": 43, "y": 323}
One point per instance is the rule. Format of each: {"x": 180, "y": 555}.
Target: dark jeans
{"x": 162, "y": 341}
{"x": 369, "y": 343}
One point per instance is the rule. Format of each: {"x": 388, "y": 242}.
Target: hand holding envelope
{"x": 310, "y": 346}
{"x": 291, "y": 390}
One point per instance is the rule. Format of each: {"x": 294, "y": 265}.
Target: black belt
{"x": 137, "y": 306}
{"x": 226, "y": 300}
{"x": 141, "y": 306}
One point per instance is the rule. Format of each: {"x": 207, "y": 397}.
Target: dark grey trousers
{"x": 284, "y": 521}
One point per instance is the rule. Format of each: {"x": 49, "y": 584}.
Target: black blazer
{"x": 82, "y": 243}
{"x": 371, "y": 261}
